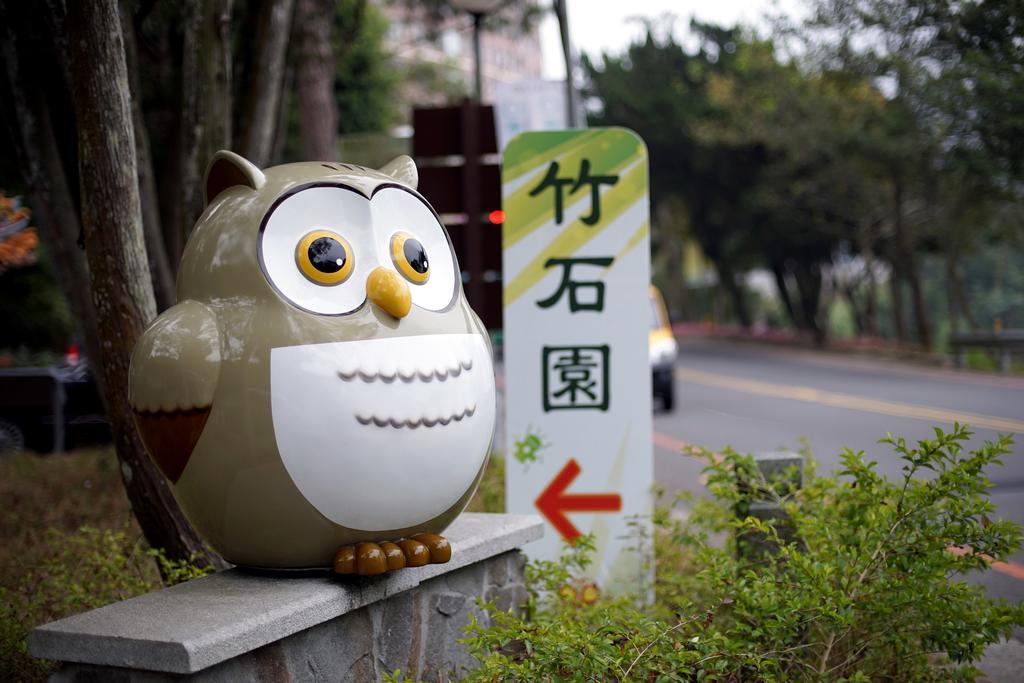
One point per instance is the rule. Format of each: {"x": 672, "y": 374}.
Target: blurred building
{"x": 438, "y": 64}
{"x": 509, "y": 54}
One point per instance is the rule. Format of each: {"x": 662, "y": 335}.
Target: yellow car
{"x": 663, "y": 351}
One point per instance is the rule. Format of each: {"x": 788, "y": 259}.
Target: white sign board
{"x": 577, "y": 370}
{"x": 531, "y": 104}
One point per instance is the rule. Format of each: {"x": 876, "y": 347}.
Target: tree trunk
{"x": 921, "y": 318}
{"x": 679, "y": 307}
{"x": 257, "y": 136}
{"x": 668, "y": 259}
{"x": 728, "y": 280}
{"x": 899, "y": 319}
{"x": 808, "y": 285}
{"x": 206, "y": 99}
{"x": 165, "y": 66}
{"x": 954, "y": 247}
{"x": 779, "y": 271}
{"x": 960, "y": 295}
{"x": 318, "y": 115}
{"x": 871, "y": 299}
{"x": 159, "y": 264}
{"x": 281, "y": 131}
{"x": 951, "y": 300}
{"x": 120, "y": 281}
{"x": 52, "y": 202}
{"x": 849, "y": 292}
{"x": 911, "y": 270}
{"x": 860, "y": 318}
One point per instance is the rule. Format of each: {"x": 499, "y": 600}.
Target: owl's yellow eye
{"x": 325, "y": 257}
{"x": 410, "y": 258}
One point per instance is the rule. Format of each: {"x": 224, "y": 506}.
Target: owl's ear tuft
{"x": 227, "y": 169}
{"x": 402, "y": 169}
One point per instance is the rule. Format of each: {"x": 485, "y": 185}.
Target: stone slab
{"x": 192, "y": 626}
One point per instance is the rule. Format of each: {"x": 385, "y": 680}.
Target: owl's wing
{"x": 172, "y": 379}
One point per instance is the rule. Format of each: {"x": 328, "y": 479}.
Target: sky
{"x": 597, "y": 26}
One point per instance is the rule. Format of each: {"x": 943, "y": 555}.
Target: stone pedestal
{"x": 783, "y": 471}
{"x": 237, "y": 625}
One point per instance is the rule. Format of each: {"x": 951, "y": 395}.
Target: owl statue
{"x": 321, "y": 395}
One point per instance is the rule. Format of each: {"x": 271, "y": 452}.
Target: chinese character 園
{"x": 575, "y": 377}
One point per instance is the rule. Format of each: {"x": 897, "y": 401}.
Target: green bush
{"x": 81, "y": 571}
{"x": 861, "y": 586}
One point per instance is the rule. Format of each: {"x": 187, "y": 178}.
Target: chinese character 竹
{"x": 557, "y": 184}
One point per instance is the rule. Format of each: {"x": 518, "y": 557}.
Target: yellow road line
{"x": 849, "y": 401}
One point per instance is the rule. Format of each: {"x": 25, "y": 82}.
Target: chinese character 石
{"x": 574, "y": 286}
{"x": 575, "y": 377}
{"x": 552, "y": 180}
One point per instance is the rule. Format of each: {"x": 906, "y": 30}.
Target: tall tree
{"x": 366, "y": 76}
{"x": 265, "y": 81}
{"x": 156, "y": 250}
{"x": 979, "y": 92}
{"x": 84, "y": 90}
{"x": 811, "y": 198}
{"x": 318, "y": 113}
{"x": 660, "y": 90}
{"x": 119, "y": 273}
{"x": 206, "y": 112}
{"x": 951, "y": 73}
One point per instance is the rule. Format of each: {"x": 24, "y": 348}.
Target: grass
{"x": 69, "y": 542}
{"x": 982, "y": 359}
{"x": 62, "y": 492}
{"x": 83, "y": 489}
{"x": 490, "y": 495}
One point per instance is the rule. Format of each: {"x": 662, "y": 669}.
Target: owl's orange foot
{"x": 371, "y": 559}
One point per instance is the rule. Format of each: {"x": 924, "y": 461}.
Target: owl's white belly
{"x": 385, "y": 433}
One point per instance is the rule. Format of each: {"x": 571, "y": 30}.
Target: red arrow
{"x": 554, "y": 502}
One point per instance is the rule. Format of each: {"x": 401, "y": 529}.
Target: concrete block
{"x": 443, "y": 657}
{"x": 781, "y": 467}
{"x": 465, "y": 583}
{"x": 450, "y": 604}
{"x": 497, "y": 574}
{"x": 400, "y": 634}
{"x": 510, "y": 596}
{"x": 783, "y": 470}
{"x": 200, "y": 624}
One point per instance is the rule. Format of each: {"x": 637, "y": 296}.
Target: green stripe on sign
{"x": 640, "y": 233}
{"x": 522, "y": 155}
{"x": 609, "y": 152}
{"x": 630, "y": 189}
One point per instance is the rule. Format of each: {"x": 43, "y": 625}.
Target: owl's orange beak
{"x": 388, "y": 290}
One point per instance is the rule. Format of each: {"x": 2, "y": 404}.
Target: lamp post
{"x": 471, "y": 153}
{"x": 478, "y": 89}
{"x": 562, "y": 14}
{"x": 477, "y": 8}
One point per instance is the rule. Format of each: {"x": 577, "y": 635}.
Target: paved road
{"x": 758, "y": 398}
